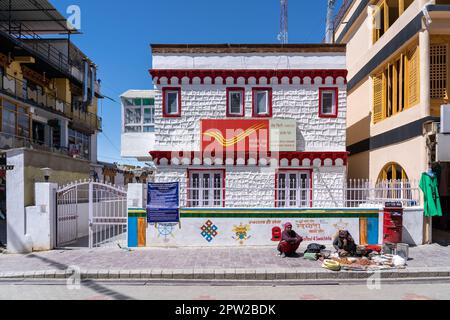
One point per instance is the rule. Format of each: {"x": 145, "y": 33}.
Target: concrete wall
{"x": 413, "y": 226}
{"x": 298, "y": 60}
{"x": 289, "y": 102}
{"x": 137, "y": 145}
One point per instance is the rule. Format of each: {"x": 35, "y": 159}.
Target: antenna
{"x": 329, "y": 32}
{"x": 284, "y": 23}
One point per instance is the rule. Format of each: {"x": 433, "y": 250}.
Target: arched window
{"x": 393, "y": 183}
{"x": 393, "y": 171}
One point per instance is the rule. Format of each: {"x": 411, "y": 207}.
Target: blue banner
{"x": 163, "y": 202}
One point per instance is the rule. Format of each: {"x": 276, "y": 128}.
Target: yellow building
{"x": 398, "y": 59}
{"x": 48, "y": 102}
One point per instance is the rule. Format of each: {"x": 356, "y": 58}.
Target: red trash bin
{"x": 393, "y": 223}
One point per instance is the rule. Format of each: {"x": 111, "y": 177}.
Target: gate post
{"x": 91, "y": 214}
{"x": 41, "y": 219}
{"x": 136, "y": 201}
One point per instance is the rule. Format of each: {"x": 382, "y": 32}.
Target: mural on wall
{"x": 241, "y": 232}
{"x": 320, "y": 229}
{"x": 209, "y": 231}
{"x": 166, "y": 230}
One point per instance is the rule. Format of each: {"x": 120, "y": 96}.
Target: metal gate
{"x": 91, "y": 214}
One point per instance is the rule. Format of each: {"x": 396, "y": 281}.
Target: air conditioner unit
{"x": 445, "y": 119}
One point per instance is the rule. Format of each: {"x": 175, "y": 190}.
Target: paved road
{"x": 143, "y": 291}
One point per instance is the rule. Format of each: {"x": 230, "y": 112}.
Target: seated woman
{"x": 290, "y": 241}
{"x": 344, "y": 244}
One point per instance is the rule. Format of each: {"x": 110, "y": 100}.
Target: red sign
{"x": 235, "y": 135}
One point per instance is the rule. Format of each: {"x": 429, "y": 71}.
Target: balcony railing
{"x": 41, "y": 48}
{"x": 21, "y": 91}
{"x": 355, "y": 194}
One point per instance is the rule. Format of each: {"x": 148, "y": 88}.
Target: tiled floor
{"x": 200, "y": 258}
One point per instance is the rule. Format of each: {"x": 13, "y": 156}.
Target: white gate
{"x": 91, "y": 214}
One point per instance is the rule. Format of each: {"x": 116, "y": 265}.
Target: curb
{"x": 228, "y": 274}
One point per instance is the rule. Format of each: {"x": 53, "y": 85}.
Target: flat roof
{"x": 246, "y": 48}
{"x": 139, "y": 94}
{"x": 37, "y": 16}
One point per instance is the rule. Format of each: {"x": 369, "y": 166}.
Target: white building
{"x": 138, "y": 123}
{"x": 257, "y": 126}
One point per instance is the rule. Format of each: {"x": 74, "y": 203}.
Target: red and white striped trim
{"x": 248, "y": 76}
{"x": 280, "y": 159}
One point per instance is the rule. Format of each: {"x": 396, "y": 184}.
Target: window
{"x": 9, "y": 118}
{"x": 439, "y": 71}
{"x": 393, "y": 183}
{"x": 171, "y": 102}
{"x": 206, "y": 189}
{"x": 235, "y": 102}
{"x": 386, "y": 14}
{"x": 262, "y": 102}
{"x": 139, "y": 115}
{"x": 79, "y": 145}
{"x": 293, "y": 189}
{"x": 328, "y": 102}
{"x": 396, "y": 87}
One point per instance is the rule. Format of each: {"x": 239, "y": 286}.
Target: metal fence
{"x": 353, "y": 194}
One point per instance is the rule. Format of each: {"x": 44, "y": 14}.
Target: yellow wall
{"x": 358, "y": 166}
{"x": 33, "y": 175}
{"x": 411, "y": 155}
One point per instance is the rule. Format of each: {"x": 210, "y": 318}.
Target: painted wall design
{"x": 262, "y": 227}
{"x": 241, "y": 232}
{"x": 209, "y": 231}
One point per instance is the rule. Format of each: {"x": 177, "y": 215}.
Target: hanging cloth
{"x": 429, "y": 187}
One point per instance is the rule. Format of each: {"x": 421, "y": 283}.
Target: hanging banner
{"x": 163, "y": 202}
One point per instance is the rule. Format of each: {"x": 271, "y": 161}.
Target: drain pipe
{"x": 424, "y": 47}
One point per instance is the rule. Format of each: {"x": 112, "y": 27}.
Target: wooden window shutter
{"x": 377, "y": 98}
{"x": 413, "y": 77}
{"x": 438, "y": 71}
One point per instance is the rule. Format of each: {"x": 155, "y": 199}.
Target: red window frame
{"x": 270, "y": 105}
{"x": 287, "y": 170}
{"x": 164, "y": 102}
{"x": 232, "y": 115}
{"x": 188, "y": 183}
{"x": 336, "y": 101}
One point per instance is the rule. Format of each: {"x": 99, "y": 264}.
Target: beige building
{"x": 398, "y": 59}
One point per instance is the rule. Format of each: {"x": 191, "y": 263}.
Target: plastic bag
{"x": 398, "y": 261}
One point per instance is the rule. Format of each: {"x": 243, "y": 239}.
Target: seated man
{"x": 290, "y": 241}
{"x": 344, "y": 244}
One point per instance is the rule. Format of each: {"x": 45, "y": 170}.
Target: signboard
{"x": 283, "y": 135}
{"x": 238, "y": 135}
{"x": 163, "y": 202}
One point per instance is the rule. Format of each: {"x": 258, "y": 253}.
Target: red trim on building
{"x": 310, "y": 171}
{"x": 232, "y": 115}
{"x": 247, "y": 74}
{"x": 290, "y": 156}
{"x": 164, "y": 101}
{"x": 336, "y": 101}
{"x": 269, "y": 103}
{"x": 224, "y": 185}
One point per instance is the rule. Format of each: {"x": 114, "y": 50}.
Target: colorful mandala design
{"x": 209, "y": 231}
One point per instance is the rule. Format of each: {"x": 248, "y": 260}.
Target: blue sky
{"x": 117, "y": 37}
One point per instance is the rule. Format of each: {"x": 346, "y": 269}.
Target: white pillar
{"x": 15, "y": 204}
{"x": 136, "y": 196}
{"x": 41, "y": 219}
{"x": 424, "y": 45}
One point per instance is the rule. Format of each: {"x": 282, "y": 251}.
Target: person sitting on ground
{"x": 344, "y": 244}
{"x": 290, "y": 241}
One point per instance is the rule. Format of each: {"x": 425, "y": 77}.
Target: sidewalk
{"x": 203, "y": 264}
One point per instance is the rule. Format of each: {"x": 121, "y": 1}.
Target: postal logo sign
{"x": 248, "y": 135}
